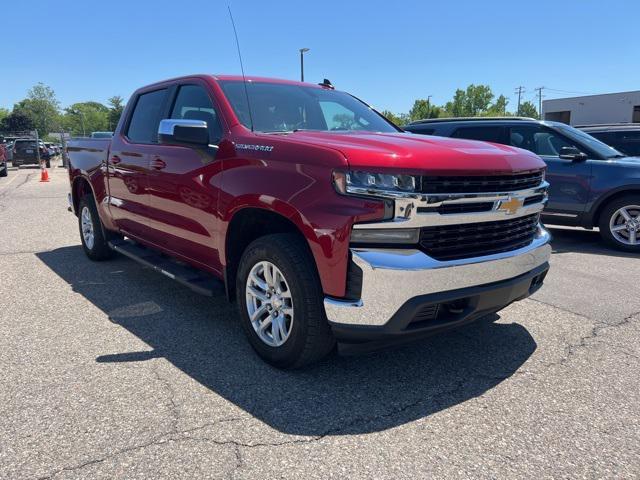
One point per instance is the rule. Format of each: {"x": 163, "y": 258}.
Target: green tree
{"x": 420, "y": 110}
{"x": 4, "y": 113}
{"x": 85, "y": 117}
{"x": 473, "y": 101}
{"x": 17, "y": 122}
{"x": 116, "y": 107}
{"x": 42, "y": 107}
{"x": 499, "y": 107}
{"x": 528, "y": 109}
{"x": 392, "y": 117}
{"x": 456, "y": 107}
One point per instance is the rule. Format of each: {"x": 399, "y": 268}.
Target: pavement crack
{"x": 162, "y": 439}
{"x": 172, "y": 405}
{"x": 564, "y": 309}
{"x": 586, "y": 340}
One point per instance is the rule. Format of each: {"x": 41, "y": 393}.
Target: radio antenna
{"x": 244, "y": 78}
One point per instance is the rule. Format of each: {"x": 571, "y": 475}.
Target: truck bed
{"x": 88, "y": 153}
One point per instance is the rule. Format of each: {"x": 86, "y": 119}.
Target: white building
{"x": 621, "y": 107}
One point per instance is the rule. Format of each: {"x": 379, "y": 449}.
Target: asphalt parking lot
{"x": 110, "y": 370}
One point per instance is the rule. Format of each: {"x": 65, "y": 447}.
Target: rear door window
{"x": 485, "y": 134}
{"x": 143, "y": 126}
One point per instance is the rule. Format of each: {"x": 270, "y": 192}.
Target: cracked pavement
{"x": 113, "y": 371}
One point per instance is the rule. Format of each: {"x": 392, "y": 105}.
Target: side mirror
{"x": 189, "y": 133}
{"x": 573, "y": 154}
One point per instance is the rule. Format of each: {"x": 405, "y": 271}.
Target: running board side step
{"x": 199, "y": 281}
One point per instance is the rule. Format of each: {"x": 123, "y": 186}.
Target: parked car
{"x": 322, "y": 219}
{"x": 624, "y": 137}
{"x": 24, "y": 153}
{"x": 52, "y": 148}
{"x": 4, "y": 169}
{"x": 592, "y": 184}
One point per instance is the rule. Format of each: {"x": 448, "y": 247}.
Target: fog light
{"x": 385, "y": 235}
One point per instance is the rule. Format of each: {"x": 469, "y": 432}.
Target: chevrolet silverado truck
{"x": 323, "y": 221}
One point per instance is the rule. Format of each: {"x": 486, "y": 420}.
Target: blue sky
{"x": 387, "y": 53}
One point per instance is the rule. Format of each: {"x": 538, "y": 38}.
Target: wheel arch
{"x": 246, "y": 225}
{"x": 593, "y": 218}
{"x": 80, "y": 187}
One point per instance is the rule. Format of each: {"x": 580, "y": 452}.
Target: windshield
{"x": 277, "y": 107}
{"x": 580, "y": 137}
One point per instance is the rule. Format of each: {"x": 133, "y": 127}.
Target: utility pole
{"x": 519, "y": 91}
{"x": 429, "y": 105}
{"x": 539, "y": 90}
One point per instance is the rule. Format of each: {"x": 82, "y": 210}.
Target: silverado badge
{"x": 512, "y": 205}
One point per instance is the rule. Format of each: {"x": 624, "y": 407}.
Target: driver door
{"x": 184, "y": 184}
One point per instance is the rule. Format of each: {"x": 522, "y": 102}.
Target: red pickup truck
{"x": 324, "y": 221}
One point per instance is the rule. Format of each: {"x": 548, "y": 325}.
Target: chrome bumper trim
{"x": 392, "y": 277}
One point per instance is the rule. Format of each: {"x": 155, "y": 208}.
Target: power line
{"x": 569, "y": 91}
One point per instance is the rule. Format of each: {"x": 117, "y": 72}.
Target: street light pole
{"x": 302, "y": 52}
{"x": 81, "y": 115}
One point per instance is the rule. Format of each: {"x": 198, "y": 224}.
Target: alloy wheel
{"x": 625, "y": 225}
{"x": 269, "y": 303}
{"x": 87, "y": 227}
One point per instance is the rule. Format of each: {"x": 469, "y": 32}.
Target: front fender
{"x": 304, "y": 195}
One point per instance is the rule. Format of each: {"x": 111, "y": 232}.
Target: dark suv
{"x": 592, "y": 184}
{"x": 624, "y": 137}
{"x": 24, "y": 153}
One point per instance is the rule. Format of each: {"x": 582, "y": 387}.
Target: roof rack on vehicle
{"x": 614, "y": 124}
{"x": 467, "y": 119}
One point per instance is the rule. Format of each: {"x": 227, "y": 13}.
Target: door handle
{"x": 115, "y": 160}
{"x": 157, "y": 164}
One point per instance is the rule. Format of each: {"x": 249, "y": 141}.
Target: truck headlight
{"x": 358, "y": 182}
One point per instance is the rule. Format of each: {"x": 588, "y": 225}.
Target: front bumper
{"x": 408, "y": 293}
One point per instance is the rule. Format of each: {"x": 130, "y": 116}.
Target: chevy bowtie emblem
{"x": 512, "y": 205}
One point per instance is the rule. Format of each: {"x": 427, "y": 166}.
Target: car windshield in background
{"x": 583, "y": 138}
{"x": 277, "y": 107}
{"x": 24, "y": 145}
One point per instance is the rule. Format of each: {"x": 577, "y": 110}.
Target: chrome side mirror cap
{"x": 175, "y": 131}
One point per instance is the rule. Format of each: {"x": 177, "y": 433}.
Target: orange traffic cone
{"x": 44, "y": 175}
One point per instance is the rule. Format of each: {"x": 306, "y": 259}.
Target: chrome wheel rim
{"x": 625, "y": 225}
{"x": 87, "y": 227}
{"x": 269, "y": 303}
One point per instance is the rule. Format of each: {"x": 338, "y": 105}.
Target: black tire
{"x": 605, "y": 219}
{"x": 310, "y": 338}
{"x": 5, "y": 171}
{"x": 15, "y": 164}
{"x": 100, "y": 249}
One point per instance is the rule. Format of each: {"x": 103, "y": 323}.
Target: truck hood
{"x": 420, "y": 153}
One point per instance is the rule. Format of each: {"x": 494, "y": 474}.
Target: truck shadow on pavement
{"x": 341, "y": 395}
